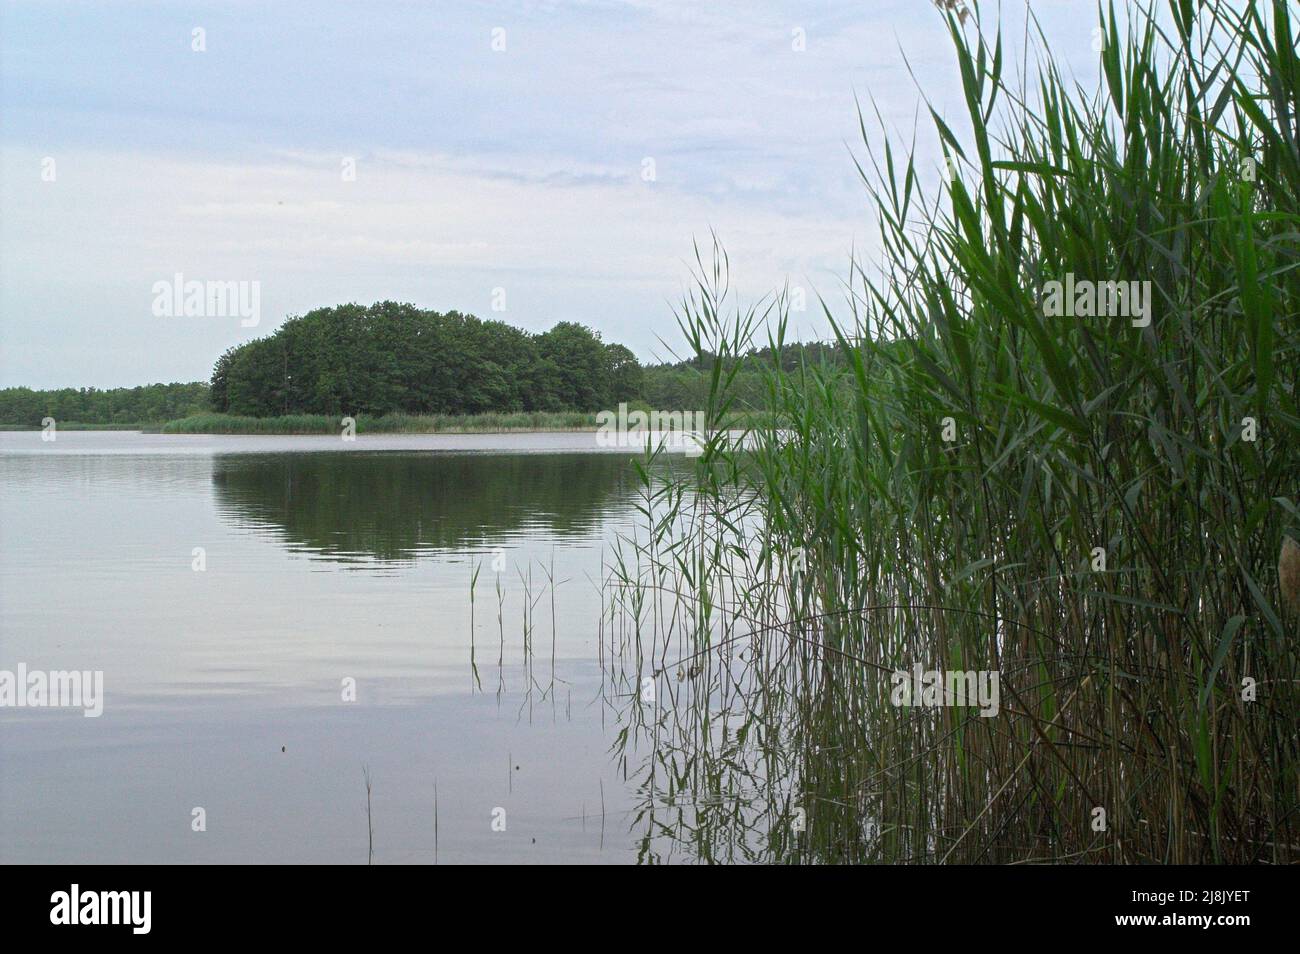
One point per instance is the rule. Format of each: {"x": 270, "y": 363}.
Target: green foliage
{"x": 1121, "y": 685}
{"x": 393, "y": 360}
{"x": 396, "y": 358}
{"x": 115, "y": 407}
{"x": 685, "y": 385}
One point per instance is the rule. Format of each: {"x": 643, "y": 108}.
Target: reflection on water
{"x": 758, "y": 753}
{"x": 176, "y": 567}
{"x": 392, "y": 507}
{"x": 465, "y": 587}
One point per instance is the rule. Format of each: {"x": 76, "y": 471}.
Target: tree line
{"x": 122, "y": 407}
{"x": 396, "y": 358}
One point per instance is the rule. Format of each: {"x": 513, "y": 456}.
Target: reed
{"x": 370, "y": 826}
{"x": 1090, "y": 507}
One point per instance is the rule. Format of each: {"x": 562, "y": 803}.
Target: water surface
{"x": 230, "y": 587}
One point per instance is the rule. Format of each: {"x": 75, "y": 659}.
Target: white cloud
{"x": 606, "y": 252}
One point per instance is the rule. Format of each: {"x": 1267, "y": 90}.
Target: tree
{"x": 392, "y": 357}
{"x": 624, "y": 374}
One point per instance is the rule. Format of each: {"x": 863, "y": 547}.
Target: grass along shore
{"x": 491, "y": 422}
{"x": 214, "y": 423}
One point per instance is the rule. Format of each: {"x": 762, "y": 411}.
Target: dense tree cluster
{"x": 391, "y": 357}
{"x": 149, "y": 404}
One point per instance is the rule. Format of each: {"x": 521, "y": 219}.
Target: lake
{"x": 277, "y": 618}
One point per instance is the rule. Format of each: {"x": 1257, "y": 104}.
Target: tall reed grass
{"x": 1092, "y": 509}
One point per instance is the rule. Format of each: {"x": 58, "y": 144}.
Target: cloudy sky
{"x": 571, "y": 169}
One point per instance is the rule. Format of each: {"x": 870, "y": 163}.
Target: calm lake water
{"x": 323, "y": 564}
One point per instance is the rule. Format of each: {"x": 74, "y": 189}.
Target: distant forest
{"x": 113, "y": 407}
{"x": 396, "y": 358}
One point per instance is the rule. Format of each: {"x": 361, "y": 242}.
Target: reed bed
{"x": 1091, "y": 507}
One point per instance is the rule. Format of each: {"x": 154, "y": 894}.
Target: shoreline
{"x": 305, "y": 425}
{"x": 161, "y": 429}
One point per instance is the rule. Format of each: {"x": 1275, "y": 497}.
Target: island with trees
{"x": 396, "y": 367}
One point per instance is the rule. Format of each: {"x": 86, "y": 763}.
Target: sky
{"x": 528, "y": 162}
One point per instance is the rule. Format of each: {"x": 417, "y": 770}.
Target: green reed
{"x": 1075, "y": 503}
